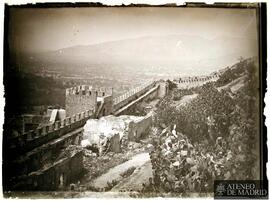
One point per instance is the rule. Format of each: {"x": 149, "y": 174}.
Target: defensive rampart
{"x": 30, "y": 154}
{"x": 131, "y": 95}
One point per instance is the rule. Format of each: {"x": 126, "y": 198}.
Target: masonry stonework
{"x": 163, "y": 89}
{"x": 80, "y": 99}
{"x": 36, "y": 155}
{"x": 139, "y": 129}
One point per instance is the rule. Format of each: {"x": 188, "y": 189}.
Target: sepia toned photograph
{"x": 136, "y": 101}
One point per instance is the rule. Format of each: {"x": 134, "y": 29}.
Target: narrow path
{"x": 115, "y": 172}
{"x": 141, "y": 175}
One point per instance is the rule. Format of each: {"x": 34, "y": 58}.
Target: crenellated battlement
{"x": 89, "y": 91}
{"x": 133, "y": 91}
{"x": 82, "y": 90}
{"x": 48, "y": 130}
{"x": 84, "y": 97}
{"x": 103, "y": 91}
{"x": 198, "y": 78}
{"x": 80, "y": 98}
{"x": 122, "y": 100}
{"x": 83, "y": 109}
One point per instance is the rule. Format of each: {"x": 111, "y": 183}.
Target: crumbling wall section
{"x": 33, "y": 151}
{"x": 106, "y": 107}
{"x": 115, "y": 144}
{"x": 56, "y": 176}
{"x": 140, "y": 128}
{"x": 44, "y": 155}
{"x": 18, "y": 144}
{"x": 163, "y": 89}
{"x": 112, "y": 144}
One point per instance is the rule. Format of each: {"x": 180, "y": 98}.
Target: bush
{"x": 214, "y": 139}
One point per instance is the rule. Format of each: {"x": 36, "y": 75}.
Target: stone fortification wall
{"x": 198, "y": 78}
{"x": 102, "y": 91}
{"x": 34, "y": 138}
{"x": 80, "y": 99}
{"x": 126, "y": 98}
{"x": 57, "y": 175}
{"x": 30, "y": 154}
{"x": 140, "y": 128}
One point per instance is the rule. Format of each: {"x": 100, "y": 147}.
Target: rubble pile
{"x": 69, "y": 151}
{"x": 98, "y": 165}
{"x": 108, "y": 133}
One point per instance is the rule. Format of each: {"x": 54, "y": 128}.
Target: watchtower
{"x": 80, "y": 98}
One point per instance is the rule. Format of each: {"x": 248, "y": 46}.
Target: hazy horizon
{"x": 144, "y": 36}
{"x": 47, "y": 29}
{"x": 169, "y": 39}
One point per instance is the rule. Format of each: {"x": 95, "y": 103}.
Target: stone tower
{"x": 80, "y": 99}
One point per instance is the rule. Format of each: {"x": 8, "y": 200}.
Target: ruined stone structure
{"x": 114, "y": 144}
{"x": 34, "y": 160}
{"x": 104, "y": 102}
{"x": 138, "y": 129}
{"x": 45, "y": 158}
{"x": 41, "y": 159}
{"x": 163, "y": 89}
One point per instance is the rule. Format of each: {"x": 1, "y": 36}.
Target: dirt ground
{"x": 134, "y": 182}
{"x": 115, "y": 173}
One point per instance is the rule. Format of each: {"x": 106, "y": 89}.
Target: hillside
{"x": 182, "y": 53}
{"x": 215, "y": 136}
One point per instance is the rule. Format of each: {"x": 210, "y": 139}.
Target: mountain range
{"x": 178, "y": 52}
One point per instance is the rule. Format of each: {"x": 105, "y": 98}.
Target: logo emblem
{"x": 220, "y": 189}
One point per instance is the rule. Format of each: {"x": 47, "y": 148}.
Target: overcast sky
{"x": 50, "y": 29}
